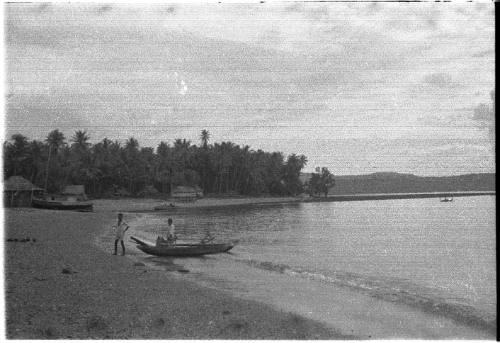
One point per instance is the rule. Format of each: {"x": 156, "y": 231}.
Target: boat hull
{"x": 180, "y": 250}
{"x": 62, "y": 205}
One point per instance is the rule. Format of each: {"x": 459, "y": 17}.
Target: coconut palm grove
{"x": 104, "y": 167}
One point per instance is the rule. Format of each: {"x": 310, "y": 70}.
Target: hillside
{"x": 409, "y": 183}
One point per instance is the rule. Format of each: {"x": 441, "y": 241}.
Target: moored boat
{"x": 82, "y": 206}
{"x": 179, "y": 250}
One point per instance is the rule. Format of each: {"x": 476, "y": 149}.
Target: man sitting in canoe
{"x": 171, "y": 237}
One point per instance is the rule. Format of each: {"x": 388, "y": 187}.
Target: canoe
{"x": 180, "y": 250}
{"x": 82, "y": 206}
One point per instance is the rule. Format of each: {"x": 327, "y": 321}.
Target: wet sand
{"x": 63, "y": 286}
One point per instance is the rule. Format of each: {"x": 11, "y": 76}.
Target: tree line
{"x": 109, "y": 165}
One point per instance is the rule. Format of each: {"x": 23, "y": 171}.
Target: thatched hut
{"x": 186, "y": 193}
{"x": 121, "y": 192}
{"x": 149, "y": 191}
{"x": 18, "y": 192}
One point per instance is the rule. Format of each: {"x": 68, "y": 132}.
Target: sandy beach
{"x": 63, "y": 286}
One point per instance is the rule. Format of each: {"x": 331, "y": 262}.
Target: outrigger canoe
{"x": 82, "y": 206}
{"x": 180, "y": 250}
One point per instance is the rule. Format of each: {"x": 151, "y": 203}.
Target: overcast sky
{"x": 356, "y": 87}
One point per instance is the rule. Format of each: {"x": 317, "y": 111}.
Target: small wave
{"x": 393, "y": 290}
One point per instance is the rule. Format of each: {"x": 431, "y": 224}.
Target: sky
{"x": 356, "y": 87}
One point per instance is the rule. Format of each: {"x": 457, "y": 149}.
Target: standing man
{"x": 171, "y": 231}
{"x": 120, "y": 229}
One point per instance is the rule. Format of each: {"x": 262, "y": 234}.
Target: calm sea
{"x": 434, "y": 256}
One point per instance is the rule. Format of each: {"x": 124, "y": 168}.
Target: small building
{"x": 75, "y": 192}
{"x": 186, "y": 193}
{"x": 149, "y": 191}
{"x": 18, "y": 192}
{"x": 121, "y": 192}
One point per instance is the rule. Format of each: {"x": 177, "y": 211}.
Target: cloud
{"x": 21, "y": 36}
{"x": 182, "y": 88}
{"x": 296, "y": 7}
{"x": 458, "y": 149}
{"x": 484, "y": 116}
{"x": 43, "y": 7}
{"x": 441, "y": 80}
{"x": 104, "y": 8}
{"x": 179, "y": 83}
{"x": 484, "y": 53}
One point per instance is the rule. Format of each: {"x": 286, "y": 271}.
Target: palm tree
{"x": 80, "y": 140}
{"x": 131, "y": 162}
{"x": 82, "y": 168}
{"x": 55, "y": 140}
{"x": 205, "y": 136}
{"x": 36, "y": 151}
{"x": 204, "y": 159}
{"x": 18, "y": 153}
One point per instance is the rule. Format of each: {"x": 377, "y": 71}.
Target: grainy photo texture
{"x": 265, "y": 170}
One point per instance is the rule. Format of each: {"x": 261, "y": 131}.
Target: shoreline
{"x": 64, "y": 286}
{"x": 142, "y": 205}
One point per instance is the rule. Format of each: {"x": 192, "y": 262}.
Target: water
{"x": 434, "y": 257}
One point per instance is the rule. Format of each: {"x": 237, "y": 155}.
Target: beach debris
{"x": 22, "y": 240}
{"x": 50, "y": 332}
{"x": 159, "y": 322}
{"x": 39, "y": 279}
{"x": 182, "y": 270}
{"x": 96, "y": 323}
{"x": 139, "y": 264}
{"x": 68, "y": 271}
{"x": 235, "y": 326}
{"x": 226, "y": 312}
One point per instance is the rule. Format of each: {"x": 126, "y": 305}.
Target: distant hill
{"x": 409, "y": 183}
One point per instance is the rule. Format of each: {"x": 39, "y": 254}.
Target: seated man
{"x": 171, "y": 237}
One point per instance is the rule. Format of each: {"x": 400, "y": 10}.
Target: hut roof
{"x": 19, "y": 183}
{"x": 151, "y": 190}
{"x": 122, "y": 191}
{"x": 74, "y": 190}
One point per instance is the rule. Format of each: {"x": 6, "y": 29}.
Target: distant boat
{"x": 447, "y": 199}
{"x": 181, "y": 250}
{"x": 81, "y": 206}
